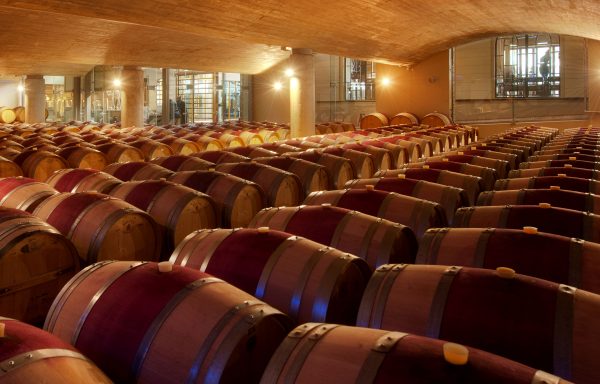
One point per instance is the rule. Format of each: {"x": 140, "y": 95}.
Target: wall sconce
{"x": 432, "y": 79}
{"x": 277, "y": 86}
{"x": 386, "y": 81}
{"x": 289, "y": 72}
{"x": 117, "y": 82}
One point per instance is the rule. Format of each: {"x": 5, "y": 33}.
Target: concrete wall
{"x": 9, "y": 95}
{"x": 421, "y": 89}
{"x": 270, "y": 104}
{"x": 593, "y": 106}
{"x": 475, "y": 86}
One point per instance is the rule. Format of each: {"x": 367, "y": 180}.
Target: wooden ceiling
{"x": 58, "y": 37}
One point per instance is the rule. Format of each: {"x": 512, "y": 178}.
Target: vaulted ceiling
{"x": 63, "y": 37}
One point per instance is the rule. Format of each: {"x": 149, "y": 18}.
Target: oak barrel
{"x": 314, "y": 177}
{"x": 417, "y": 214}
{"x": 436, "y": 119}
{"x": 340, "y": 169}
{"x": 404, "y": 118}
{"x": 23, "y": 193}
{"x": 102, "y": 227}
{"x": 282, "y": 188}
{"x": 152, "y": 148}
{"x": 82, "y": 180}
{"x": 178, "y": 163}
{"x": 83, "y": 157}
{"x": 39, "y": 165}
{"x": 238, "y": 200}
{"x": 546, "y": 218}
{"x": 218, "y": 157}
{"x": 372, "y": 239}
{"x": 137, "y": 171}
{"x": 544, "y": 182}
{"x": 373, "y": 120}
{"x": 178, "y": 209}
{"x": 450, "y": 198}
{"x": 468, "y": 183}
{"x": 36, "y": 262}
{"x": 536, "y": 322}
{"x": 120, "y": 153}
{"x": 30, "y": 355}
{"x": 555, "y": 171}
{"x": 148, "y": 323}
{"x": 317, "y": 353}
{"x": 295, "y": 275}
{"x": 579, "y": 201}
{"x": 560, "y": 259}
{"x": 487, "y": 175}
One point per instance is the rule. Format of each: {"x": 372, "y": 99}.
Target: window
{"x": 359, "y": 82}
{"x": 197, "y": 91}
{"x": 528, "y": 66}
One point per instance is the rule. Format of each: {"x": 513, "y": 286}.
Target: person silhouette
{"x": 182, "y": 111}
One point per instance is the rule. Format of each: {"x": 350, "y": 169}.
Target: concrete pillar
{"x": 302, "y": 93}
{"x": 77, "y": 98}
{"x": 132, "y": 97}
{"x": 166, "y": 106}
{"x": 35, "y": 99}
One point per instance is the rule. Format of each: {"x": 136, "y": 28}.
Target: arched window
{"x": 528, "y": 65}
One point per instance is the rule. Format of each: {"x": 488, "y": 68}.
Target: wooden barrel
{"x": 39, "y": 165}
{"x": 501, "y": 166}
{"x": 313, "y": 177}
{"x": 205, "y": 143}
{"x": 23, "y": 193}
{"x": 372, "y": 239}
{"x": 535, "y": 322}
{"x": 9, "y": 169}
{"x": 382, "y": 158}
{"x": 83, "y": 157}
{"x": 30, "y": 355}
{"x": 404, "y": 118}
{"x": 36, "y": 262}
{"x": 102, "y": 227}
{"x": 573, "y": 151}
{"x": 362, "y": 162}
{"x": 486, "y": 175}
{"x": 249, "y": 138}
{"x": 374, "y": 120}
{"x": 152, "y": 148}
{"x": 238, "y": 200}
{"x": 137, "y": 171}
{"x": 7, "y": 143}
{"x": 561, "y": 163}
{"x": 282, "y": 188}
{"x": 178, "y": 163}
{"x": 546, "y": 218}
{"x": 400, "y": 154}
{"x": 511, "y": 159}
{"x": 252, "y": 152}
{"x": 280, "y": 148}
{"x": 82, "y": 180}
{"x": 181, "y": 146}
{"x": 178, "y": 209}
{"x": 450, "y": 198}
{"x": 19, "y": 114}
{"x": 417, "y": 214}
{"x": 579, "y": 201}
{"x": 120, "y": 153}
{"x": 555, "y": 171}
{"x": 545, "y": 182}
{"x": 470, "y": 184}
{"x": 217, "y": 157}
{"x": 227, "y": 140}
{"x": 317, "y": 353}
{"x": 340, "y": 169}
{"x": 522, "y": 153}
{"x": 560, "y": 259}
{"x": 139, "y": 324}
{"x": 436, "y": 119}
{"x": 293, "y": 274}
{"x": 7, "y": 115}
